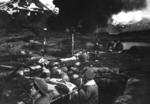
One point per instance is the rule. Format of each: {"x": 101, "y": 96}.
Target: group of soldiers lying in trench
{"x": 72, "y": 78}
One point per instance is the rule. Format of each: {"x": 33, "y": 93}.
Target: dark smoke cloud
{"x": 133, "y": 4}
{"x": 94, "y": 12}
{"x": 90, "y": 12}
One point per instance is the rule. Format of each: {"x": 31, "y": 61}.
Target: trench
{"x": 111, "y": 88}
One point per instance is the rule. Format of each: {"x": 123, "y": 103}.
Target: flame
{"x": 127, "y": 17}
{"x": 131, "y": 17}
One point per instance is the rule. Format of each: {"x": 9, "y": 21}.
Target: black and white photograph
{"x": 74, "y": 51}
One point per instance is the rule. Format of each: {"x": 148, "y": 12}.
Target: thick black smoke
{"x": 93, "y": 12}
{"x": 134, "y": 4}
{"x": 90, "y": 13}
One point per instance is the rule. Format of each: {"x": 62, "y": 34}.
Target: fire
{"x": 127, "y": 17}
{"x": 131, "y": 17}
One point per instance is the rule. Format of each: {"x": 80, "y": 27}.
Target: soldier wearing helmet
{"x": 88, "y": 94}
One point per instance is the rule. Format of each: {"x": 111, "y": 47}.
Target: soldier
{"x": 88, "y": 93}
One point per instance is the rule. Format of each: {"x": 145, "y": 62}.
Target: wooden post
{"x": 72, "y": 44}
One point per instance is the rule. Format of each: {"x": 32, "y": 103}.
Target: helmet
{"x": 75, "y": 69}
{"x": 75, "y": 76}
{"x": 54, "y": 68}
{"x": 77, "y": 63}
{"x": 56, "y": 63}
{"x": 89, "y": 74}
{"x": 64, "y": 68}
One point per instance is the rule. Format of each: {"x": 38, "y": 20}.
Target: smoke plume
{"x": 129, "y": 5}
{"x": 133, "y": 16}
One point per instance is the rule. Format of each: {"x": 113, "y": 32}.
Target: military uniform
{"x": 89, "y": 93}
